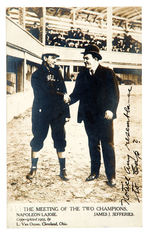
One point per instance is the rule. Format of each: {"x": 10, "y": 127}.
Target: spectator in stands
{"x": 101, "y": 43}
{"x": 126, "y": 44}
{"x": 96, "y": 89}
{"x": 60, "y": 40}
{"x": 85, "y": 43}
{"x": 52, "y": 37}
{"x": 48, "y": 109}
{"x": 63, "y": 41}
{"x": 87, "y": 36}
{"x": 35, "y": 31}
{"x": 78, "y": 34}
{"x": 49, "y": 37}
{"x": 115, "y": 40}
{"x": 104, "y": 43}
{"x": 98, "y": 42}
{"x": 120, "y": 44}
{"x": 70, "y": 43}
{"x": 57, "y": 40}
{"x": 71, "y": 33}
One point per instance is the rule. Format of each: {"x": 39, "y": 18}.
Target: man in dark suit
{"x": 48, "y": 109}
{"x": 96, "y": 89}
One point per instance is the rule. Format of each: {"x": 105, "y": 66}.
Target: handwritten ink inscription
{"x": 127, "y": 115}
{"x": 130, "y": 185}
{"x": 132, "y": 167}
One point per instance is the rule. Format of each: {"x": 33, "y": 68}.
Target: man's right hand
{"x": 108, "y": 115}
{"x": 66, "y": 98}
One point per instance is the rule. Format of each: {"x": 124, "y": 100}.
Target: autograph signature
{"x": 134, "y": 168}
{"x": 131, "y": 167}
{"x": 127, "y": 115}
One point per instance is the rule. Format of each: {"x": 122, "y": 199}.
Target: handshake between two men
{"x": 108, "y": 113}
{"x": 66, "y": 98}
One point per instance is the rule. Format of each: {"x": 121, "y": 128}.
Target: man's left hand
{"x": 67, "y": 120}
{"x": 108, "y": 115}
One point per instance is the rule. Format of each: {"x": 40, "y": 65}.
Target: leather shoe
{"x": 63, "y": 175}
{"x": 111, "y": 182}
{"x": 31, "y": 174}
{"x": 92, "y": 177}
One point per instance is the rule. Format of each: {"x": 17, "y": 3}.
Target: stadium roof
{"x": 128, "y": 13}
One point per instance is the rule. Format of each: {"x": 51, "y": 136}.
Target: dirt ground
{"x": 47, "y": 186}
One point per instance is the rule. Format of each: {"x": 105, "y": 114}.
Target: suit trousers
{"x": 100, "y": 136}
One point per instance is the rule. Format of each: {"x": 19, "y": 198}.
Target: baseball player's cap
{"x": 50, "y": 54}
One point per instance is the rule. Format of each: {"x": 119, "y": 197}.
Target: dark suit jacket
{"x": 47, "y": 86}
{"x": 96, "y": 94}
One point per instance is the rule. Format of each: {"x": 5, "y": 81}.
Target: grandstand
{"x": 66, "y": 31}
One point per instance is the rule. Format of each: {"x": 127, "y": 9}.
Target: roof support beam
{"x": 109, "y": 29}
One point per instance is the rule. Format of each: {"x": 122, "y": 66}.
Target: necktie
{"x": 91, "y": 72}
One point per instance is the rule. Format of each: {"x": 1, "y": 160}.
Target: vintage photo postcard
{"x": 74, "y": 116}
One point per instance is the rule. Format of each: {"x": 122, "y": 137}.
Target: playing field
{"x": 47, "y": 186}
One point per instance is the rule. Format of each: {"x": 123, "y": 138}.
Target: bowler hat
{"x": 94, "y": 50}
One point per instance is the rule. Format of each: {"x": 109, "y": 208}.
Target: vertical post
{"x": 42, "y": 24}
{"x": 71, "y": 69}
{"x": 24, "y": 71}
{"x": 126, "y": 25}
{"x": 74, "y": 17}
{"x": 22, "y": 16}
{"x": 20, "y": 74}
{"x": 109, "y": 29}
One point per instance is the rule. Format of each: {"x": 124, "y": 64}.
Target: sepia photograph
{"x": 74, "y": 116}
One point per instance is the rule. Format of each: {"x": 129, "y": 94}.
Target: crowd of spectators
{"x": 74, "y": 38}
{"x": 126, "y": 43}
